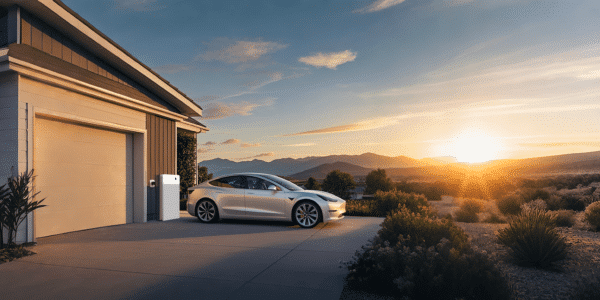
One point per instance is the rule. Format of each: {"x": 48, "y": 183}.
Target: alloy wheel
{"x": 307, "y": 215}
{"x": 206, "y": 211}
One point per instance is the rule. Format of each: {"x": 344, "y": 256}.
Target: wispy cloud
{"x": 268, "y": 154}
{"x": 230, "y": 51}
{"x": 138, "y": 5}
{"x": 302, "y": 145}
{"x": 563, "y": 144}
{"x": 329, "y": 60}
{"x": 230, "y": 142}
{"x": 247, "y": 145}
{"x": 204, "y": 150}
{"x": 369, "y": 124}
{"x": 378, "y": 5}
{"x": 209, "y": 143}
{"x": 220, "y": 110}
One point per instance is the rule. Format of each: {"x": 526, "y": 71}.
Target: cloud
{"x": 138, "y": 5}
{"x": 209, "y": 98}
{"x": 247, "y": 145}
{"x": 268, "y": 154}
{"x": 378, "y": 5}
{"x": 369, "y": 124}
{"x": 230, "y": 142}
{"x": 302, "y": 145}
{"x": 590, "y": 75}
{"x": 204, "y": 150}
{"x": 219, "y": 110}
{"x": 329, "y": 60}
{"x": 563, "y": 144}
{"x": 228, "y": 51}
{"x": 209, "y": 143}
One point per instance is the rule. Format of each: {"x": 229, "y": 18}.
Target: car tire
{"x": 306, "y": 214}
{"x": 207, "y": 211}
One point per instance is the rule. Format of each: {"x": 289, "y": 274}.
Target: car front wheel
{"x": 207, "y": 211}
{"x": 306, "y": 214}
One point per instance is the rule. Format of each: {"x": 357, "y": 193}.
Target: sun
{"x": 474, "y": 146}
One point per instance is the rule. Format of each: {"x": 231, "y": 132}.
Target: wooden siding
{"x": 162, "y": 146}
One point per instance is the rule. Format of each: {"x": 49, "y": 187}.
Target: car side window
{"x": 257, "y": 183}
{"x": 236, "y": 182}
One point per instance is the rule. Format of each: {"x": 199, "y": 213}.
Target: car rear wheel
{"x": 306, "y": 214}
{"x": 207, "y": 211}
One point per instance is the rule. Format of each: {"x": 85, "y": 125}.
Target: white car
{"x": 257, "y": 196}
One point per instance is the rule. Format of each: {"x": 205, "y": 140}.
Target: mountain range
{"x": 290, "y": 166}
{"x": 402, "y": 166}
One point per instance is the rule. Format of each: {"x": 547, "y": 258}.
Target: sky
{"x": 472, "y": 79}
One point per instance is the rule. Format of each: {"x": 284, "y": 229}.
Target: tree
{"x": 186, "y": 161}
{"x": 17, "y": 203}
{"x": 312, "y": 184}
{"x": 377, "y": 181}
{"x": 203, "y": 174}
{"x": 338, "y": 183}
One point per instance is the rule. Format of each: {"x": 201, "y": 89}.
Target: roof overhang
{"x": 58, "y": 15}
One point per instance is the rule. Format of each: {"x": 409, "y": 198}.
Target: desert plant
{"x": 564, "y": 218}
{"x": 3, "y": 212}
{"x": 592, "y": 215}
{"x": 312, "y": 184}
{"x": 533, "y": 240}
{"x": 538, "y": 204}
{"x": 419, "y": 257}
{"x": 494, "y": 219}
{"x": 388, "y": 202}
{"x": 509, "y": 205}
{"x": 18, "y": 203}
{"x": 469, "y": 208}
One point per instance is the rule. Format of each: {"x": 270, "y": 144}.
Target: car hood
{"x": 326, "y": 194}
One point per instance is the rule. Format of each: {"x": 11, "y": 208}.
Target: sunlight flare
{"x": 474, "y": 146}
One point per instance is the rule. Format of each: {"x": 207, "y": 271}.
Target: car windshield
{"x": 284, "y": 183}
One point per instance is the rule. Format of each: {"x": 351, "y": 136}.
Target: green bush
{"x": 564, "y": 218}
{"x": 592, "y": 215}
{"x": 469, "y": 208}
{"x": 533, "y": 240}
{"x": 569, "y": 201}
{"x": 509, "y": 205}
{"x": 419, "y": 257}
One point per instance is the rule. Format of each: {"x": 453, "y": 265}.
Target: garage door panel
{"x": 88, "y": 153}
{"x": 84, "y": 173}
{"x": 80, "y": 175}
{"x": 83, "y": 218}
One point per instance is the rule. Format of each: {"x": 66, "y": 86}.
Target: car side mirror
{"x": 272, "y": 188}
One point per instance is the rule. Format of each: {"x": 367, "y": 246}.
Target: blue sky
{"x": 473, "y": 79}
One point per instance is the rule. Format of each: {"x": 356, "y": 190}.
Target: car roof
{"x": 246, "y": 174}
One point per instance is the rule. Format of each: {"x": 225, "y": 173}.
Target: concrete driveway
{"x": 186, "y": 259}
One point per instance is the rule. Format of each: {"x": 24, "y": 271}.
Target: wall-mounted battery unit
{"x": 168, "y": 195}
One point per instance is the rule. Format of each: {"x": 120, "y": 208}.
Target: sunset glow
{"x": 475, "y": 147}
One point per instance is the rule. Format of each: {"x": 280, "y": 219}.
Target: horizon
{"x": 474, "y": 80}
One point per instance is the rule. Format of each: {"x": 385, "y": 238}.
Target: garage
{"x": 85, "y": 173}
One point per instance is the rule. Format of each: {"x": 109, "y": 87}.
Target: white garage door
{"x": 84, "y": 173}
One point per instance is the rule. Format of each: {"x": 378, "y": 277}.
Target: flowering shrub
{"x": 533, "y": 239}
{"x": 418, "y": 256}
{"x": 592, "y": 215}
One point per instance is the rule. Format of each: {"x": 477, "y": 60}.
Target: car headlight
{"x": 327, "y": 198}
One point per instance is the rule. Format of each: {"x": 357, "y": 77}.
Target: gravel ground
{"x": 582, "y": 262}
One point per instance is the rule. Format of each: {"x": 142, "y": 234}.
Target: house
{"x": 94, "y": 123}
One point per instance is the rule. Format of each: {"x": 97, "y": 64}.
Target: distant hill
{"x": 405, "y": 167}
{"x": 289, "y": 166}
{"x": 320, "y": 172}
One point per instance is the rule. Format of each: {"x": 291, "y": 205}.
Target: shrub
{"x": 419, "y": 257}
{"x": 538, "y": 204}
{"x": 567, "y": 201}
{"x": 361, "y": 208}
{"x": 387, "y": 202}
{"x": 469, "y": 208}
{"x": 494, "y": 219}
{"x": 509, "y": 205}
{"x": 182, "y": 204}
{"x": 592, "y": 215}
{"x": 533, "y": 240}
{"x": 564, "y": 218}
